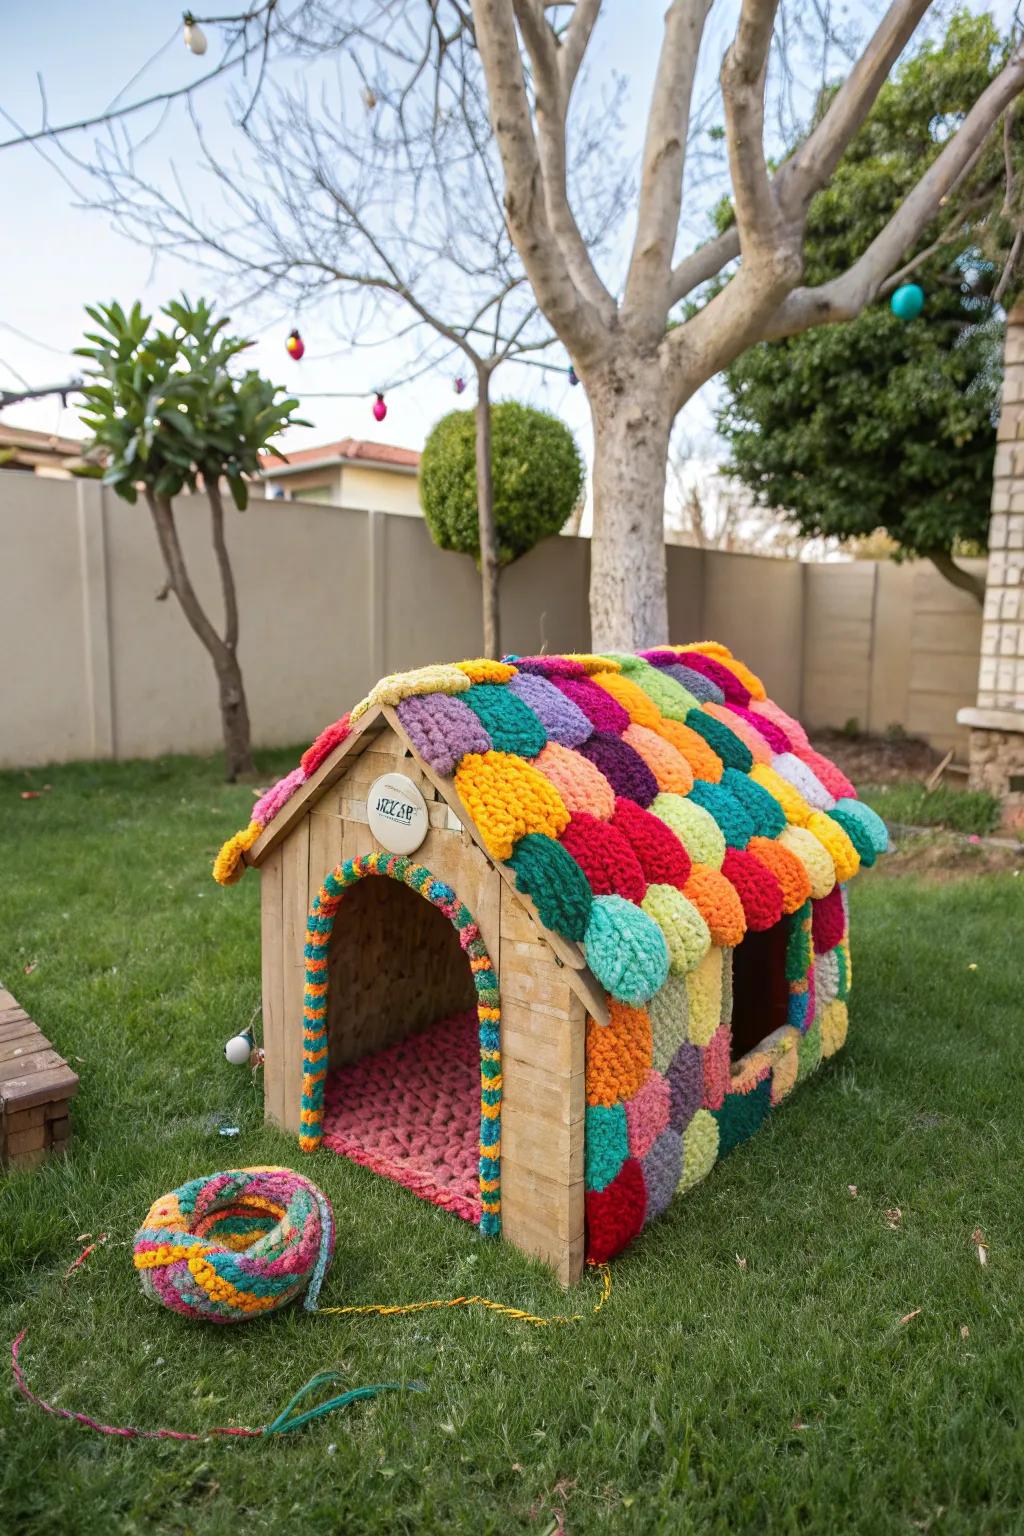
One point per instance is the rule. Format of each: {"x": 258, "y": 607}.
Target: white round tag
{"x": 397, "y": 813}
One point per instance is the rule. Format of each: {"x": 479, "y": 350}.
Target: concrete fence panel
{"x": 332, "y": 598}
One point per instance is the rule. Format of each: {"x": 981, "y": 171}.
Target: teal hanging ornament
{"x": 907, "y": 302}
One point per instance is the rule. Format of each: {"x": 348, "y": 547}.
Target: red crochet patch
{"x": 828, "y": 920}
{"x": 324, "y": 745}
{"x": 757, "y": 888}
{"x": 659, "y": 852}
{"x": 605, "y": 857}
{"x": 616, "y": 1213}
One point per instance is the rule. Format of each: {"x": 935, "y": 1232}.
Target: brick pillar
{"x": 997, "y": 722}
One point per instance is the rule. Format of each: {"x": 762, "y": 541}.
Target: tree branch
{"x": 744, "y": 72}
{"x": 810, "y": 166}
{"x": 551, "y": 108}
{"x": 663, "y": 166}
{"x": 956, "y": 575}
{"x": 573, "y": 316}
{"x": 845, "y": 296}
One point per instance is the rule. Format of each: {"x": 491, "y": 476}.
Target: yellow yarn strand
{"x": 379, "y": 1309}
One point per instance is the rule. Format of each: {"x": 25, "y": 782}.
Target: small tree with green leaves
{"x": 536, "y": 476}
{"x": 169, "y": 414}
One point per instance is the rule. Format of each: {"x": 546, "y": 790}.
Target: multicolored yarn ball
{"x": 235, "y": 1245}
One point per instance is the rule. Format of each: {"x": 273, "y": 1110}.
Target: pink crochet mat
{"x": 412, "y": 1113}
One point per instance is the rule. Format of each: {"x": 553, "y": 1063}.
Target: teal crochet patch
{"x": 511, "y": 724}
{"x": 549, "y": 874}
{"x": 858, "y": 834}
{"x": 733, "y": 752}
{"x": 764, "y": 810}
{"x": 625, "y": 949}
{"x": 606, "y": 1140}
{"x": 741, "y": 1115}
{"x": 737, "y": 826}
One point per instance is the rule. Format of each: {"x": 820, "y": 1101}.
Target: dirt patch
{"x": 940, "y": 857}
{"x": 878, "y": 759}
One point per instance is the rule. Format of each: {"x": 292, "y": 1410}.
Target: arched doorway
{"x": 402, "y": 1019}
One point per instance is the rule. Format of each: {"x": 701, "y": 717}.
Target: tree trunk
{"x": 628, "y": 592}
{"x": 234, "y": 711}
{"x": 956, "y": 575}
{"x": 490, "y": 571}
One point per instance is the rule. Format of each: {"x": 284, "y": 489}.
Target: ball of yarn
{"x": 233, "y": 1245}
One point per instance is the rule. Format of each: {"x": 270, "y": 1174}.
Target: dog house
{"x": 544, "y": 939}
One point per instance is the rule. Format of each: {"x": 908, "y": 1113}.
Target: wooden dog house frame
{"x": 585, "y": 878}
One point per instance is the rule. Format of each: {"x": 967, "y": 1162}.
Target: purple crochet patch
{"x": 773, "y": 734}
{"x": 549, "y": 666}
{"x": 563, "y": 720}
{"x": 624, "y": 769}
{"x": 686, "y": 1086}
{"x": 442, "y": 729}
{"x": 662, "y": 1168}
{"x": 700, "y": 686}
{"x": 707, "y": 666}
{"x": 603, "y": 712}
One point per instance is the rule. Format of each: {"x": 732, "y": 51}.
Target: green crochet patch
{"x": 549, "y": 874}
{"x": 741, "y": 1115}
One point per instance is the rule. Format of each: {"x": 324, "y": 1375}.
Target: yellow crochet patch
{"x": 831, "y": 835}
{"x": 794, "y": 807}
{"x": 787, "y": 1062}
{"x": 444, "y": 677}
{"x": 227, "y": 866}
{"x": 835, "y": 1021}
{"x": 704, "y": 996}
{"x": 700, "y": 1149}
{"x": 814, "y": 856}
{"x": 484, "y": 671}
{"x": 507, "y": 798}
{"x": 639, "y": 705}
{"x": 593, "y": 664}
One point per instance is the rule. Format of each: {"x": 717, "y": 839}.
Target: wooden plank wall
{"x": 543, "y": 1016}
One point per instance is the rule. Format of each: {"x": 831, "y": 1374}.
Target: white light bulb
{"x": 239, "y": 1049}
{"x": 195, "y": 37}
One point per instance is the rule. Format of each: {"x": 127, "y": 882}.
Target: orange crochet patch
{"x": 619, "y": 1054}
{"x": 670, "y": 768}
{"x": 582, "y": 786}
{"x": 704, "y": 762}
{"x": 507, "y": 798}
{"x": 718, "y": 903}
{"x": 787, "y": 869}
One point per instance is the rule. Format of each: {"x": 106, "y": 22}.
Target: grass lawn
{"x": 779, "y": 1394}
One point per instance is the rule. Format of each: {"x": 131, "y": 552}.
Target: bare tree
{"x": 306, "y": 210}
{"x": 740, "y": 287}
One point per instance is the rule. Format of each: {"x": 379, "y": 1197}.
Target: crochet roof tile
{"x": 650, "y": 805}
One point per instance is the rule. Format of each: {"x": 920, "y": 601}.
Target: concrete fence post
{"x": 97, "y": 654}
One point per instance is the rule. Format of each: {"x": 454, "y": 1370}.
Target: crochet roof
{"x": 650, "y": 805}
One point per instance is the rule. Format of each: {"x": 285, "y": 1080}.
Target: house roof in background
{"x": 349, "y": 450}
{"x": 22, "y": 448}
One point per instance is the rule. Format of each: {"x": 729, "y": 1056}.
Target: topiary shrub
{"x": 537, "y": 474}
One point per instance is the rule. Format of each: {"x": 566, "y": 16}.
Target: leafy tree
{"x": 537, "y": 475}
{"x": 169, "y": 414}
{"x": 884, "y": 423}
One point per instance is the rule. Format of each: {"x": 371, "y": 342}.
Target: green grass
{"x": 955, "y": 810}
{"x": 784, "y": 1395}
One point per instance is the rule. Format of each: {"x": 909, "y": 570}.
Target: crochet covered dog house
{"x": 543, "y": 939}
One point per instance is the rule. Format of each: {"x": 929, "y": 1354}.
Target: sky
{"x": 56, "y": 255}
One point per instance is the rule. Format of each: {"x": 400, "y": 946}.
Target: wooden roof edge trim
{"x": 568, "y": 953}
{"x": 307, "y": 794}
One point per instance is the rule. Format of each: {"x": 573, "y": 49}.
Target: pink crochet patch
{"x": 647, "y": 1114}
{"x": 412, "y": 1113}
{"x": 268, "y": 806}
